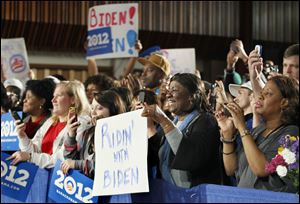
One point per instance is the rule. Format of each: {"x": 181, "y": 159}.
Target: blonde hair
{"x": 76, "y": 89}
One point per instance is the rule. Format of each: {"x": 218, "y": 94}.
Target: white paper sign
{"x": 14, "y": 58}
{"x": 112, "y": 31}
{"x": 121, "y": 155}
{"x": 181, "y": 60}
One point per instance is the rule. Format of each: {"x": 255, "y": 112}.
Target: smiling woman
{"x": 188, "y": 155}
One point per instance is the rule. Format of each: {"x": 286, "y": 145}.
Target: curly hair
{"x": 289, "y": 89}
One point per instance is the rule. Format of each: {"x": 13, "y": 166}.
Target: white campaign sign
{"x": 121, "y": 154}
{"x": 112, "y": 31}
{"x": 14, "y": 59}
{"x": 181, "y": 60}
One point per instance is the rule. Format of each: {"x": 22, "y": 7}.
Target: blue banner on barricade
{"x": 9, "y": 137}
{"x": 72, "y": 188}
{"x": 16, "y": 181}
{"x": 163, "y": 192}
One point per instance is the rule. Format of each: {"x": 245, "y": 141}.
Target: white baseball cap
{"x": 234, "y": 88}
{"x": 13, "y": 82}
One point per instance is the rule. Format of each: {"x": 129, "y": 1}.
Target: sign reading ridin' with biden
{"x": 112, "y": 31}
{"x": 16, "y": 180}
{"x": 9, "y": 137}
{"x": 121, "y": 154}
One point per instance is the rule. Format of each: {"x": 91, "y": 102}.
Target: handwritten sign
{"x": 16, "y": 180}
{"x": 112, "y": 31}
{"x": 181, "y": 60}
{"x": 72, "y": 188}
{"x": 121, "y": 154}
{"x": 9, "y": 136}
{"x": 14, "y": 58}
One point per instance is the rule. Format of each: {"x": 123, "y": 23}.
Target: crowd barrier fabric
{"x": 163, "y": 192}
{"x": 160, "y": 191}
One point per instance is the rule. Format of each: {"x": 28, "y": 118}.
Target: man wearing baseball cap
{"x": 243, "y": 95}
{"x": 156, "y": 69}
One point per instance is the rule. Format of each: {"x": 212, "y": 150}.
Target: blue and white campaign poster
{"x": 16, "y": 180}
{"x": 121, "y": 154}
{"x": 71, "y": 188}
{"x": 112, "y": 31}
{"x": 9, "y": 136}
{"x": 14, "y": 58}
{"x": 181, "y": 60}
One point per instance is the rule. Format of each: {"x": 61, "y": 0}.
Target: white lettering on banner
{"x": 8, "y": 128}
{"x": 71, "y": 186}
{"x": 99, "y": 39}
{"x": 9, "y": 140}
{"x": 12, "y": 177}
{"x": 65, "y": 196}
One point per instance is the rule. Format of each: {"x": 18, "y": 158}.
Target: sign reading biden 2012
{"x": 121, "y": 154}
{"x": 112, "y": 31}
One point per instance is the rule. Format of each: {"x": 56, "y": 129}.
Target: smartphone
{"x": 16, "y": 116}
{"x": 141, "y": 96}
{"x": 259, "y": 49}
{"x": 72, "y": 111}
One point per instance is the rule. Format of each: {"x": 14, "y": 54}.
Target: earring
{"x": 41, "y": 106}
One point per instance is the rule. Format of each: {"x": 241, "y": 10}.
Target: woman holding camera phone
{"x": 46, "y": 147}
{"x": 278, "y": 104}
{"x": 79, "y": 150}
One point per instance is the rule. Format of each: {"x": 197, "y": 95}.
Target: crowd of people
{"x": 198, "y": 131}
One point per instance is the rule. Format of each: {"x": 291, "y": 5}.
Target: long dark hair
{"x": 289, "y": 89}
{"x": 192, "y": 83}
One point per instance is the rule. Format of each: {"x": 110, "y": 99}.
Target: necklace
{"x": 273, "y": 131}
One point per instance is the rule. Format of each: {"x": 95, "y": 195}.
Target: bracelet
{"x": 245, "y": 132}
{"x": 223, "y": 140}
{"x": 228, "y": 153}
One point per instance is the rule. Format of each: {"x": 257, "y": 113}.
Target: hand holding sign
{"x": 18, "y": 157}
{"x": 66, "y": 165}
{"x": 16, "y": 181}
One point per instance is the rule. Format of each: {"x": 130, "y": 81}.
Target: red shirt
{"x": 50, "y": 136}
{"x": 31, "y": 126}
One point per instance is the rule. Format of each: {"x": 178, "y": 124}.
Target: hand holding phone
{"x": 16, "y": 116}
{"x": 72, "y": 112}
{"x": 258, "y": 48}
{"x": 141, "y": 97}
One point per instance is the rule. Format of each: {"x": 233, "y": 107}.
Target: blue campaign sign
{"x": 71, "y": 188}
{"x": 9, "y": 137}
{"x": 99, "y": 41}
{"x": 16, "y": 180}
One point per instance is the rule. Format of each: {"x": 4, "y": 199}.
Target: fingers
{"x": 15, "y": 157}
{"x": 148, "y": 110}
{"x": 65, "y": 167}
